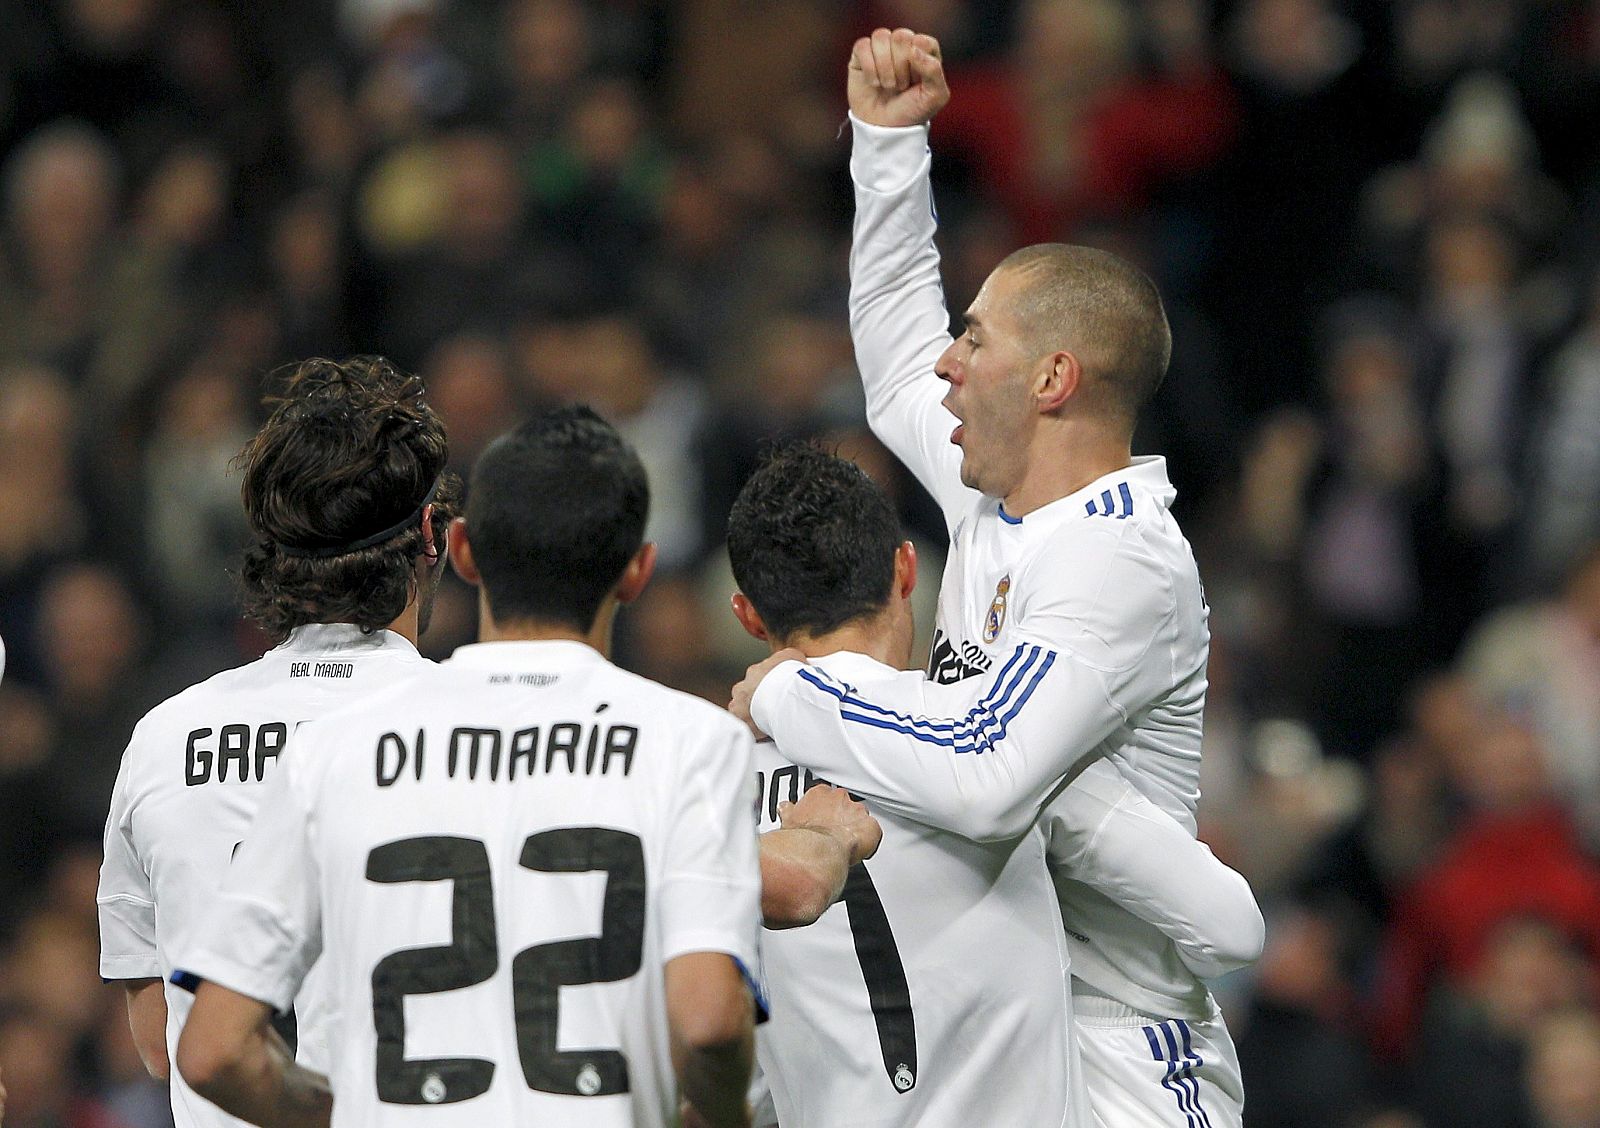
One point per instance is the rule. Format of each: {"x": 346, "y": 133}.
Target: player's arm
{"x": 898, "y": 320}
{"x": 711, "y": 1018}
{"x": 126, "y": 907}
{"x": 263, "y": 934}
{"x": 976, "y": 760}
{"x": 980, "y": 758}
{"x": 147, "y": 1019}
{"x": 1106, "y": 834}
{"x": 710, "y": 902}
{"x": 804, "y": 863}
{"x": 231, "y": 1056}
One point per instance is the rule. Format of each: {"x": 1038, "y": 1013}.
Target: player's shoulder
{"x": 405, "y": 690}
{"x": 693, "y": 715}
{"x": 198, "y": 702}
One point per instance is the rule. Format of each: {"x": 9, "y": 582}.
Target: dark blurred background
{"x": 1377, "y": 229}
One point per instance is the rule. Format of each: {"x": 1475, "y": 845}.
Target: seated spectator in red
{"x": 1516, "y": 853}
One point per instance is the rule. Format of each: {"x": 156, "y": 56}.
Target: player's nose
{"x": 946, "y": 367}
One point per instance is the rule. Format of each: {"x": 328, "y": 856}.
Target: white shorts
{"x": 1142, "y": 1070}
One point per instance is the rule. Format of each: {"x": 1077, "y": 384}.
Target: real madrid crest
{"x": 996, "y": 618}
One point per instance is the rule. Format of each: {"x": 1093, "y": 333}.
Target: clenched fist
{"x": 830, "y": 810}
{"x": 896, "y": 78}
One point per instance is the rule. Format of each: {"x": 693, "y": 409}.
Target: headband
{"x": 365, "y": 542}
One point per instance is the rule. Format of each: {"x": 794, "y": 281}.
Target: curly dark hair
{"x": 350, "y": 449}
{"x": 812, "y": 541}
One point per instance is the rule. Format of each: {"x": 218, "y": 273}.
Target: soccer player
{"x": 1071, "y": 623}
{"x": 348, "y": 500}
{"x": 531, "y": 876}
{"x": 938, "y": 979}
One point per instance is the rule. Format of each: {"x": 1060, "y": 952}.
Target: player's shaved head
{"x": 1102, "y": 309}
{"x": 351, "y": 449}
{"x": 556, "y": 511}
{"x": 812, "y": 542}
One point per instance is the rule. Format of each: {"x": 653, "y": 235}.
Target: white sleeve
{"x": 125, "y": 900}
{"x": 981, "y": 757}
{"x": 711, "y": 879}
{"x": 898, "y": 319}
{"x": 1107, "y": 835}
{"x": 265, "y": 930}
{"x": 764, "y": 1113}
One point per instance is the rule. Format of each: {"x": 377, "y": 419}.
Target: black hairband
{"x": 365, "y": 542}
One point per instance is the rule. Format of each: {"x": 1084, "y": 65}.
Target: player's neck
{"x": 1065, "y": 458}
{"x": 871, "y": 637}
{"x": 406, "y": 625}
{"x": 598, "y": 636}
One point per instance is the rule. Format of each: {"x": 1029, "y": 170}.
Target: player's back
{"x": 933, "y": 994}
{"x": 509, "y": 849}
{"x": 191, "y": 781}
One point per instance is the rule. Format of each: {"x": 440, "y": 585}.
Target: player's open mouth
{"x": 955, "y": 436}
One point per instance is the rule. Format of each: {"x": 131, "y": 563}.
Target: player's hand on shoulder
{"x": 896, "y": 78}
{"x": 745, "y": 691}
{"x": 831, "y": 810}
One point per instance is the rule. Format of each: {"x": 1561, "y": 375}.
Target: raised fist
{"x": 896, "y": 78}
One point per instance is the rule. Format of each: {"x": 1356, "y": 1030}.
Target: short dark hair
{"x": 556, "y": 510}
{"x": 1103, "y": 308}
{"x": 349, "y": 450}
{"x": 812, "y": 541}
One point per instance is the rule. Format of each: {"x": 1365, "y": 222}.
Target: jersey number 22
{"x": 537, "y": 973}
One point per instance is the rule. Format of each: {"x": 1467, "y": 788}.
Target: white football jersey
{"x": 933, "y": 994}
{"x": 1075, "y": 632}
{"x": 191, "y": 780}
{"x": 495, "y": 860}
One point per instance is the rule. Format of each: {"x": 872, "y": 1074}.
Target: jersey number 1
{"x": 537, "y": 973}
{"x": 885, "y": 976}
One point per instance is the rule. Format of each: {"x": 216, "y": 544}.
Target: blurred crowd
{"x": 1376, "y": 224}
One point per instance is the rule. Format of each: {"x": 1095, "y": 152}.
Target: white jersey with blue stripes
{"x": 891, "y": 1010}
{"x": 1076, "y": 633}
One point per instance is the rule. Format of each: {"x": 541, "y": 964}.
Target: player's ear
{"x": 905, "y": 569}
{"x": 461, "y": 552}
{"x": 429, "y": 550}
{"x": 749, "y": 618}
{"x": 1059, "y": 377}
{"x": 636, "y": 576}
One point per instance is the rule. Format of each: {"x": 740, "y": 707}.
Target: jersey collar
{"x": 848, "y": 664}
{"x": 1145, "y": 476}
{"x": 345, "y": 638}
{"x": 517, "y": 653}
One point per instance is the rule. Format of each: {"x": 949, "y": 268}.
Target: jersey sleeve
{"x": 710, "y": 895}
{"x": 1104, "y": 833}
{"x": 981, "y": 757}
{"x": 125, "y": 900}
{"x": 265, "y": 931}
{"x": 898, "y": 319}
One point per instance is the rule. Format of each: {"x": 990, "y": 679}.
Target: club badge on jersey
{"x": 996, "y": 618}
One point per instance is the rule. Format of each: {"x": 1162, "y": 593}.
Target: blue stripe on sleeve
{"x": 1127, "y": 500}
{"x": 846, "y": 694}
{"x": 985, "y": 724}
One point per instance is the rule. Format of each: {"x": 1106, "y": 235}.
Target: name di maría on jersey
{"x": 491, "y": 754}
